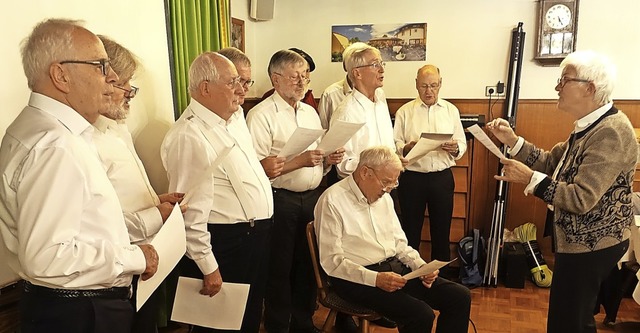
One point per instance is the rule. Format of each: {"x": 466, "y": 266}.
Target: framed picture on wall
{"x": 237, "y": 33}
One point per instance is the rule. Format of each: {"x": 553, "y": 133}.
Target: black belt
{"x": 255, "y": 224}
{"x": 391, "y": 264}
{"x": 109, "y": 293}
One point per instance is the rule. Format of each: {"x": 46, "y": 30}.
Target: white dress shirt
{"x": 58, "y": 207}
{"x": 187, "y": 155}
{"x": 377, "y": 129}
{"x": 415, "y": 118}
{"x": 129, "y": 178}
{"x": 353, "y": 234}
{"x": 330, "y": 99}
{"x": 271, "y": 123}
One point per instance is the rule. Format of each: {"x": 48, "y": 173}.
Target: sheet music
{"x": 338, "y": 135}
{"x": 224, "y": 311}
{"x": 299, "y": 141}
{"x": 479, "y": 134}
{"x": 427, "y": 269}
{"x": 171, "y": 244}
{"x": 427, "y": 143}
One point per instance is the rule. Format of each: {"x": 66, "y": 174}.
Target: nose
{"x": 111, "y": 77}
{"x": 558, "y": 87}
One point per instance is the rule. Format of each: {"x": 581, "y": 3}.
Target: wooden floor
{"x": 503, "y": 309}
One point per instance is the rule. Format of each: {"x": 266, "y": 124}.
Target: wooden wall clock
{"x": 557, "y": 30}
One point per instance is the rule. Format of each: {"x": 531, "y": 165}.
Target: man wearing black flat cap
{"x": 308, "y": 96}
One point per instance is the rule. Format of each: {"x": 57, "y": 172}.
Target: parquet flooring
{"x": 505, "y": 310}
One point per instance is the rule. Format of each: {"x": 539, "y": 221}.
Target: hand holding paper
{"x": 479, "y": 134}
{"x": 427, "y": 269}
{"x": 337, "y": 136}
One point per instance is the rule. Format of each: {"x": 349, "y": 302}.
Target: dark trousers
{"x": 145, "y": 320}
{"x": 432, "y": 190}
{"x": 574, "y": 289}
{"x": 412, "y": 306}
{"x": 42, "y": 314}
{"x": 291, "y": 292}
{"x": 242, "y": 253}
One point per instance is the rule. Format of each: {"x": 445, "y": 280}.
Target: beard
{"x": 117, "y": 112}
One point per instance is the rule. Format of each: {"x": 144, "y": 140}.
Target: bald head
{"x": 428, "y": 83}
{"x": 214, "y": 83}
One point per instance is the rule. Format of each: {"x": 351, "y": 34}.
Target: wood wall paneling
{"x": 538, "y": 121}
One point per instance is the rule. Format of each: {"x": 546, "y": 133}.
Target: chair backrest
{"x": 321, "y": 276}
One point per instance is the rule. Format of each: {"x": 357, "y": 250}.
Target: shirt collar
{"x": 362, "y": 99}
{"x": 586, "y": 121}
{"x": 419, "y": 101}
{"x": 356, "y": 190}
{"x": 346, "y": 89}
{"x": 208, "y": 116}
{"x": 281, "y": 104}
{"x": 103, "y": 123}
{"x": 66, "y": 115}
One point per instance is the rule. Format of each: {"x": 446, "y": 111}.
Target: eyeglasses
{"x": 563, "y": 80}
{"x": 378, "y": 65}
{"x": 234, "y": 81}
{"x": 433, "y": 86}
{"x": 103, "y": 63}
{"x": 389, "y": 185}
{"x": 296, "y": 79}
{"x": 128, "y": 93}
{"x": 246, "y": 83}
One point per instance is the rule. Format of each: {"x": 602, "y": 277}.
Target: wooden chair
{"x": 329, "y": 299}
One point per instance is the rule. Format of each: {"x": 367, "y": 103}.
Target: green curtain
{"x": 196, "y": 26}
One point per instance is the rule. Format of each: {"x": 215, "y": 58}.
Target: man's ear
{"x": 59, "y": 77}
{"x": 203, "y": 88}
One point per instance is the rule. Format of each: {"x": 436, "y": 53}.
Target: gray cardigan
{"x": 592, "y": 195}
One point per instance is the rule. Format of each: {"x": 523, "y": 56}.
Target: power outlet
{"x": 494, "y": 91}
{"x": 490, "y": 91}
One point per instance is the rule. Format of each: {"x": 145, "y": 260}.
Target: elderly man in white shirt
{"x": 57, "y": 217}
{"x": 429, "y": 181}
{"x": 144, "y": 211}
{"x": 290, "y": 298}
{"x": 366, "y": 104}
{"x": 365, "y": 253}
{"x": 208, "y": 154}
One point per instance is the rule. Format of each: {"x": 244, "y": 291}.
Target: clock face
{"x": 558, "y": 16}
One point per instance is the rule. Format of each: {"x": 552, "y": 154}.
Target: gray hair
{"x": 379, "y": 156}
{"x": 353, "y": 56}
{"x": 202, "y": 68}
{"x": 50, "y": 41}
{"x": 282, "y": 58}
{"x": 596, "y": 68}
{"x": 122, "y": 60}
{"x": 236, "y": 56}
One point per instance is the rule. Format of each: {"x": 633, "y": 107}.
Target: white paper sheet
{"x": 299, "y": 141}
{"x": 338, "y": 135}
{"x": 225, "y": 310}
{"x": 427, "y": 269}
{"x": 479, "y": 134}
{"x": 171, "y": 244}
{"x": 427, "y": 143}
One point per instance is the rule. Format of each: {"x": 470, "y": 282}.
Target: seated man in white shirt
{"x": 208, "y": 152}
{"x": 144, "y": 211}
{"x": 60, "y": 217}
{"x": 365, "y": 253}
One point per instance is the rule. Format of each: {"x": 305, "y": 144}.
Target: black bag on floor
{"x": 470, "y": 252}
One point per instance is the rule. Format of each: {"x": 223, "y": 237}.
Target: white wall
{"x": 138, "y": 25}
{"x": 468, "y": 39}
